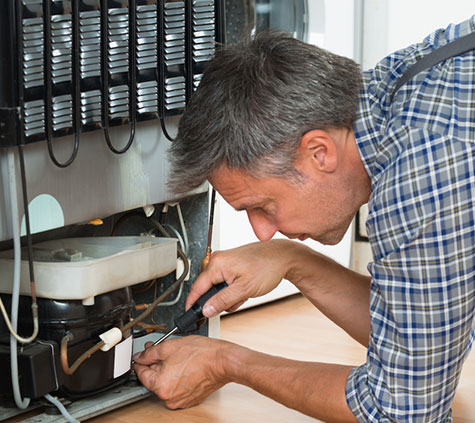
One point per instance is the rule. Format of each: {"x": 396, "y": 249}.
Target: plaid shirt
{"x": 419, "y": 151}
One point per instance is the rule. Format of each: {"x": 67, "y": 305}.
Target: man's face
{"x": 308, "y": 209}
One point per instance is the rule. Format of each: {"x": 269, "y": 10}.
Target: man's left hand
{"x": 182, "y": 371}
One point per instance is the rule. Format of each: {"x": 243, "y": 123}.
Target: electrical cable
{"x": 126, "y": 216}
{"x": 142, "y": 288}
{"x": 123, "y": 218}
{"x": 61, "y": 408}
{"x": 28, "y": 229}
{"x": 34, "y": 303}
{"x": 165, "y": 132}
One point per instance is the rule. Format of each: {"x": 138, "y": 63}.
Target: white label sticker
{"x": 122, "y": 357}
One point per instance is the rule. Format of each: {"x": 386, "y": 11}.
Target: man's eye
{"x": 262, "y": 210}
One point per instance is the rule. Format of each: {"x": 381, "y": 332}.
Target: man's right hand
{"x": 250, "y": 271}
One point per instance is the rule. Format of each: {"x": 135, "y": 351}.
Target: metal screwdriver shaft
{"x": 191, "y": 317}
{"x": 166, "y": 336}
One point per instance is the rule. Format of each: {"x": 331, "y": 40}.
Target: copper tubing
{"x": 207, "y": 257}
{"x": 141, "y": 306}
{"x": 64, "y": 354}
{"x": 151, "y": 328}
{"x": 211, "y": 219}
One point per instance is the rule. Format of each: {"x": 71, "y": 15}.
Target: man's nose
{"x": 262, "y": 226}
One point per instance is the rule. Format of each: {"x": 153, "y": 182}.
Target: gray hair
{"x": 255, "y": 101}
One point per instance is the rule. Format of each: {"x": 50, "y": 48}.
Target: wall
{"x": 393, "y": 24}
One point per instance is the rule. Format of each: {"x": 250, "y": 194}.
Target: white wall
{"x": 332, "y": 25}
{"x": 393, "y": 24}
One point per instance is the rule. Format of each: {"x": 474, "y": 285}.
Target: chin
{"x": 332, "y": 238}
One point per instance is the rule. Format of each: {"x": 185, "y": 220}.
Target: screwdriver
{"x": 194, "y": 314}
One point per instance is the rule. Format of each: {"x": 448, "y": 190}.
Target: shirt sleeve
{"x": 422, "y": 229}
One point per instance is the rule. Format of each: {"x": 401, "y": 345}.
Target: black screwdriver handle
{"x": 195, "y": 313}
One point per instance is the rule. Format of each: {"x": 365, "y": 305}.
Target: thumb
{"x": 151, "y": 355}
{"x": 224, "y": 300}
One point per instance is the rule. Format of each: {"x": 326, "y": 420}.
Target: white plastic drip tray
{"x": 81, "y": 268}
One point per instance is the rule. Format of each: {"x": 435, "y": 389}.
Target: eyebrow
{"x": 245, "y": 206}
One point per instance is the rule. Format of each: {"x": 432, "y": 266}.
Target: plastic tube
{"x": 13, "y": 331}
{"x": 61, "y": 408}
{"x": 178, "y": 236}
{"x": 175, "y": 300}
{"x": 20, "y": 403}
{"x": 17, "y": 263}
{"x": 183, "y": 227}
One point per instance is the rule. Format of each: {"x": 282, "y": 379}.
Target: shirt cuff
{"x": 362, "y": 402}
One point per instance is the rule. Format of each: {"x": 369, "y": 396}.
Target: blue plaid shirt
{"x": 419, "y": 151}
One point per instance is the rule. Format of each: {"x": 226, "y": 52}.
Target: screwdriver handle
{"x": 195, "y": 313}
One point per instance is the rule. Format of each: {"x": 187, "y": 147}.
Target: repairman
{"x": 299, "y": 139}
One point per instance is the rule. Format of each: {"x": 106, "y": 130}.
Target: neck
{"x": 358, "y": 177}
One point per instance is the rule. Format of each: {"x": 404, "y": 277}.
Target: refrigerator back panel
{"x": 72, "y": 66}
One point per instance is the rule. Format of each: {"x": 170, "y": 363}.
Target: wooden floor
{"x": 292, "y": 328}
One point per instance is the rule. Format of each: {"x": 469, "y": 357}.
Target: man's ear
{"x": 318, "y": 148}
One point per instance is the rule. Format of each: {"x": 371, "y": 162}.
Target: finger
{"x": 236, "y": 306}
{"x": 202, "y": 284}
{"x": 146, "y": 375}
{"x": 148, "y": 344}
{"x": 148, "y": 356}
{"x": 225, "y": 299}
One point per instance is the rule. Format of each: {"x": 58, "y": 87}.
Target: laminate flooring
{"x": 292, "y": 328}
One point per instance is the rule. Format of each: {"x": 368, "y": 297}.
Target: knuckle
{"x": 215, "y": 254}
{"x": 220, "y": 302}
{"x": 217, "y": 258}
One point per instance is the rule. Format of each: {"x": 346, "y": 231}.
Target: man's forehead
{"x": 239, "y": 189}
{"x": 227, "y": 180}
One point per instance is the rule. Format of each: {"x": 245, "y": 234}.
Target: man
{"x": 295, "y": 137}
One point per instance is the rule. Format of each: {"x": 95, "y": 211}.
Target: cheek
{"x": 292, "y": 219}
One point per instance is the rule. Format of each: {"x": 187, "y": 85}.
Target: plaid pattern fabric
{"x": 419, "y": 151}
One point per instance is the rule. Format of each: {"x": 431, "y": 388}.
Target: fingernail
{"x": 136, "y": 355}
{"x": 209, "y": 310}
